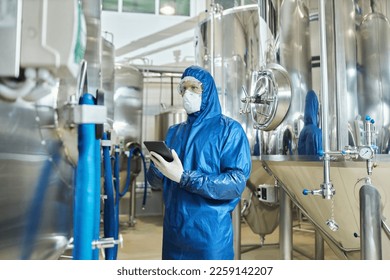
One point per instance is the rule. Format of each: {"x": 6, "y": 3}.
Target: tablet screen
{"x": 161, "y": 148}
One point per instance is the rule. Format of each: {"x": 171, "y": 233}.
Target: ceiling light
{"x": 167, "y": 9}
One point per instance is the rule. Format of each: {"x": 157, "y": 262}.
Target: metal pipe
{"x": 132, "y": 220}
{"x": 262, "y": 10}
{"x": 85, "y": 190}
{"x": 370, "y": 223}
{"x": 285, "y": 226}
{"x": 212, "y": 41}
{"x": 326, "y": 186}
{"x": 319, "y": 246}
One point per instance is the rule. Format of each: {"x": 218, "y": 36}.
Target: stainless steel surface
{"x": 295, "y": 57}
{"x": 108, "y": 77}
{"x": 370, "y": 223}
{"x": 93, "y": 52}
{"x": 36, "y": 194}
{"x": 128, "y": 100}
{"x": 232, "y": 57}
{"x": 295, "y": 54}
{"x": 167, "y": 118}
{"x": 374, "y": 75}
{"x": 127, "y": 126}
{"x": 326, "y": 186}
{"x": 297, "y": 173}
{"x": 342, "y": 74}
{"x": 272, "y": 97}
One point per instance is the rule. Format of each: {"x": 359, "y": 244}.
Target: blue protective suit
{"x": 216, "y": 159}
{"x": 310, "y": 138}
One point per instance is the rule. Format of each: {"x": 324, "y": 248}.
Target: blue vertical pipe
{"x": 98, "y": 160}
{"x": 110, "y": 216}
{"x": 116, "y": 185}
{"x": 87, "y": 190}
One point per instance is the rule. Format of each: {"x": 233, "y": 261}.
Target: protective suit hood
{"x": 210, "y": 106}
{"x": 311, "y": 108}
{"x": 310, "y": 138}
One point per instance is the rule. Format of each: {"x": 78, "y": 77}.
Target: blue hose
{"x": 128, "y": 177}
{"x": 110, "y": 216}
{"x": 87, "y": 190}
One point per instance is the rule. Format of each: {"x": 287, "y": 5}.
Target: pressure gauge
{"x": 366, "y": 152}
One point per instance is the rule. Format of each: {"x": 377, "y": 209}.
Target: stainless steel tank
{"x": 93, "y": 52}
{"x": 228, "y": 46}
{"x": 128, "y": 100}
{"x": 127, "y": 127}
{"x": 295, "y": 57}
{"x": 167, "y": 118}
{"x": 356, "y": 57}
{"x": 36, "y": 194}
{"x": 108, "y": 77}
{"x": 374, "y": 75}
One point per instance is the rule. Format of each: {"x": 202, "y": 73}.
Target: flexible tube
{"x": 86, "y": 191}
{"x": 128, "y": 175}
{"x": 110, "y": 215}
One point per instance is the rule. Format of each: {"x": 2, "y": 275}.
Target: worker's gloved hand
{"x": 172, "y": 170}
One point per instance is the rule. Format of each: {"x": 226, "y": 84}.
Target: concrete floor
{"x": 143, "y": 242}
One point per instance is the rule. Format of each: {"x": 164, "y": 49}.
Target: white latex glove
{"x": 172, "y": 170}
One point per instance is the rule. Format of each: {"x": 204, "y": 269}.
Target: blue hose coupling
{"x": 321, "y": 153}
{"x": 306, "y": 192}
{"x": 368, "y": 118}
{"x": 372, "y": 121}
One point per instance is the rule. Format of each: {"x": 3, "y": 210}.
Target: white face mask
{"x": 192, "y": 101}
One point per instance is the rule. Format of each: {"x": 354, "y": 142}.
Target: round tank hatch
{"x": 270, "y": 97}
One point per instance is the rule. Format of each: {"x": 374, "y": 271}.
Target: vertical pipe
{"x": 262, "y": 13}
{"x": 110, "y": 217}
{"x": 85, "y": 190}
{"x": 96, "y": 232}
{"x": 319, "y": 246}
{"x": 132, "y": 203}
{"x": 324, "y": 97}
{"x": 285, "y": 226}
{"x": 370, "y": 223}
{"x": 212, "y": 40}
{"x": 236, "y": 217}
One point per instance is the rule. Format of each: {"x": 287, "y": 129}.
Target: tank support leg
{"x": 285, "y": 226}
{"x": 370, "y": 223}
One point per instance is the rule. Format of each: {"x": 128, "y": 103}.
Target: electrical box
{"x": 267, "y": 193}
{"x": 53, "y": 36}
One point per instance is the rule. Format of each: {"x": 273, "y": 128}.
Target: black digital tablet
{"x": 159, "y": 147}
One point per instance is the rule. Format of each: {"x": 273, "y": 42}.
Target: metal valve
{"x": 326, "y": 191}
{"x": 108, "y": 242}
